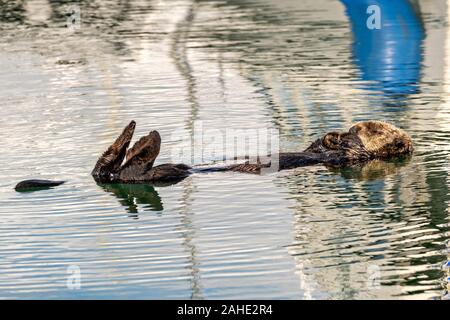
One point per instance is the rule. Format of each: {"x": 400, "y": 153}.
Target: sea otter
{"x": 363, "y": 142}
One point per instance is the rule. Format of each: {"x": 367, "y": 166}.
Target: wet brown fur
{"x": 363, "y": 142}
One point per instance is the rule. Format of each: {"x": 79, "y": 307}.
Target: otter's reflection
{"x": 346, "y": 225}
{"x": 132, "y": 195}
{"x": 373, "y": 170}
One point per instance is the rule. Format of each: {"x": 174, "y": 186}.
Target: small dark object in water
{"x": 35, "y": 184}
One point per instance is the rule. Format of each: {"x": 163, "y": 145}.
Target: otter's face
{"x": 365, "y": 140}
{"x": 382, "y": 140}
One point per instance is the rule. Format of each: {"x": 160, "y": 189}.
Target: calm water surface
{"x": 299, "y": 67}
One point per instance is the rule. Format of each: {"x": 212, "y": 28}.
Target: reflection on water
{"x": 301, "y": 67}
{"x": 375, "y": 169}
{"x": 390, "y": 57}
{"x": 131, "y": 195}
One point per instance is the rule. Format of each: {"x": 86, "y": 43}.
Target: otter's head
{"x": 382, "y": 140}
{"x": 371, "y": 139}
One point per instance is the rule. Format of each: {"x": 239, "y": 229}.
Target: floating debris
{"x": 70, "y": 62}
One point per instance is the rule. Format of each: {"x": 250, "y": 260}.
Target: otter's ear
{"x": 331, "y": 140}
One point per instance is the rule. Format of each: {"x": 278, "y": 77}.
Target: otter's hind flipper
{"x": 112, "y": 158}
{"x": 35, "y": 184}
{"x": 144, "y": 152}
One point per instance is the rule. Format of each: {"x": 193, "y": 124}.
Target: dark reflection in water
{"x": 375, "y": 169}
{"x": 371, "y": 222}
{"x": 178, "y": 52}
{"x": 389, "y": 57}
{"x": 12, "y": 11}
{"x": 132, "y": 195}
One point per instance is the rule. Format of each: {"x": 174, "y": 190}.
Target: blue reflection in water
{"x": 390, "y": 57}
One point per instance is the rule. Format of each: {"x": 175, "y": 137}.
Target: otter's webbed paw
{"x": 111, "y": 160}
{"x": 144, "y": 152}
